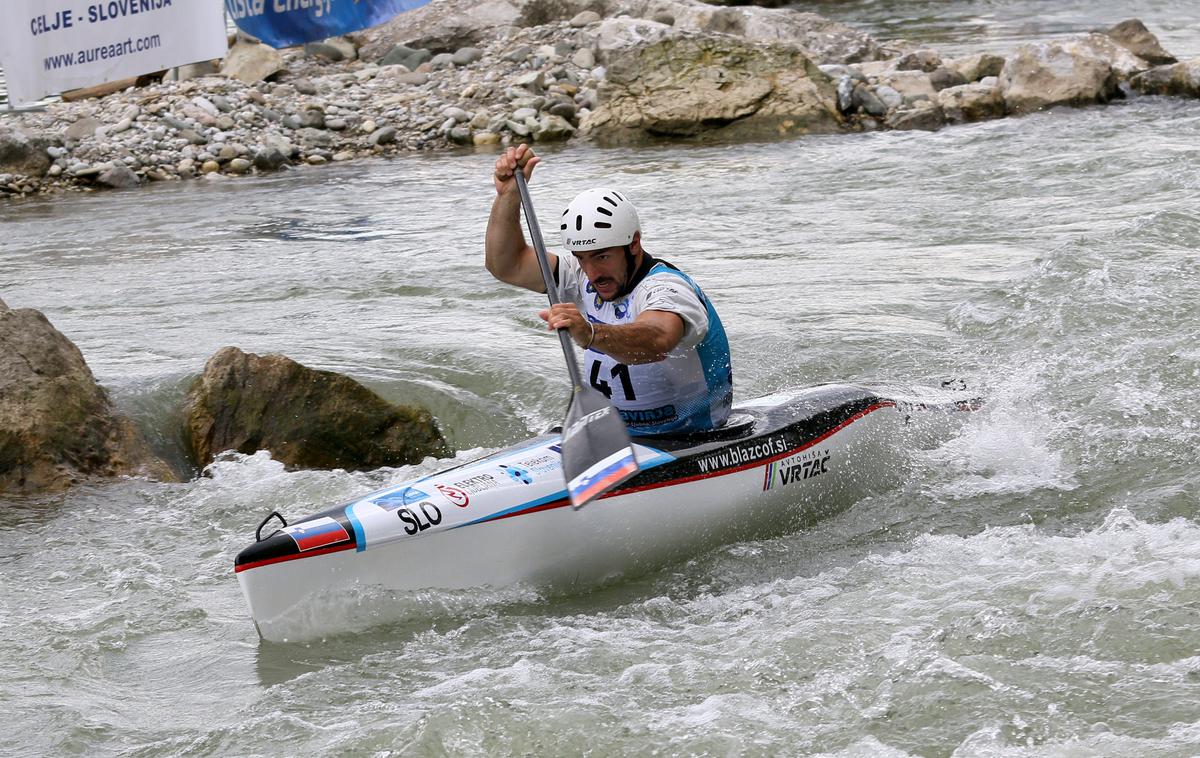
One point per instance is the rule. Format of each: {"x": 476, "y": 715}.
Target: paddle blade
{"x": 596, "y": 452}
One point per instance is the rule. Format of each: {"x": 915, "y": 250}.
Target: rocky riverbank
{"x": 457, "y": 74}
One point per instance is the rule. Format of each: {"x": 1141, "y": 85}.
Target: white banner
{"x": 49, "y": 46}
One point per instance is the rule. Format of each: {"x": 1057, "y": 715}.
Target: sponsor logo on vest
{"x": 648, "y": 415}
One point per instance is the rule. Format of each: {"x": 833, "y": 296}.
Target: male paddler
{"x": 652, "y": 340}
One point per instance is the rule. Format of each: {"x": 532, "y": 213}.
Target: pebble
{"x": 205, "y": 105}
{"x": 239, "y": 165}
{"x": 316, "y": 160}
{"x": 209, "y": 167}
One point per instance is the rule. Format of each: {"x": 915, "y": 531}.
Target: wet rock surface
{"x": 304, "y": 417}
{"x": 57, "y": 426}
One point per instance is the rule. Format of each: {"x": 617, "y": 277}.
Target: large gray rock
{"x": 1047, "y": 74}
{"x": 1105, "y": 49}
{"x": 57, "y": 426}
{"x": 975, "y": 67}
{"x": 971, "y": 102}
{"x": 684, "y": 85}
{"x": 1137, "y": 39}
{"x": 22, "y": 154}
{"x": 252, "y": 62}
{"x": 1179, "y": 80}
{"x": 823, "y": 40}
{"x": 443, "y": 26}
{"x": 306, "y": 418}
{"x": 118, "y": 176}
{"x": 332, "y": 49}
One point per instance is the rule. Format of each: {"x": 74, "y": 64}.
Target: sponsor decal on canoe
{"x": 477, "y": 483}
{"x": 741, "y": 454}
{"x": 797, "y": 468}
{"x": 317, "y": 533}
{"x": 545, "y": 463}
{"x": 407, "y": 496}
{"x": 454, "y": 495}
{"x": 518, "y": 474}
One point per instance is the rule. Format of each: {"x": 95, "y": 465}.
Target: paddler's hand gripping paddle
{"x": 596, "y": 452}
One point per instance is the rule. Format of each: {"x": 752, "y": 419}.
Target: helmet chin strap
{"x": 630, "y": 271}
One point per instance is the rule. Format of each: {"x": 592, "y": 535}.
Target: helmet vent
{"x": 610, "y": 201}
{"x": 579, "y": 222}
{"x": 603, "y": 225}
{"x": 562, "y": 228}
{"x": 602, "y": 209}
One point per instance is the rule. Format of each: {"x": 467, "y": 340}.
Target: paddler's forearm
{"x": 633, "y": 344}
{"x": 504, "y": 243}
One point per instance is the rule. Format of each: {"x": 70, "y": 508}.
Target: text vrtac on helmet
{"x": 597, "y": 219}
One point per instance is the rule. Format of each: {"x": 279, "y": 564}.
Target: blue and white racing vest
{"x": 692, "y": 388}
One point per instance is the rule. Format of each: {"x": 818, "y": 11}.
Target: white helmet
{"x": 597, "y": 219}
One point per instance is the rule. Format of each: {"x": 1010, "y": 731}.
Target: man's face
{"x": 605, "y": 269}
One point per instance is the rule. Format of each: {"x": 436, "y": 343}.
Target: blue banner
{"x": 283, "y": 23}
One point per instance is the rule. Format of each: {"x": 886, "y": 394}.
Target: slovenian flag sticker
{"x": 609, "y": 472}
{"x": 317, "y": 533}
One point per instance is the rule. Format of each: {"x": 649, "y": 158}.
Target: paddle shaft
{"x": 539, "y": 247}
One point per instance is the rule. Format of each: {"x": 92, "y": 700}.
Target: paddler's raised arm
{"x": 508, "y": 256}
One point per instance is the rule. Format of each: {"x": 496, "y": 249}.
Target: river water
{"x": 1031, "y": 589}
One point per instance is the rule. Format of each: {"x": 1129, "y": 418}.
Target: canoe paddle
{"x": 596, "y": 452}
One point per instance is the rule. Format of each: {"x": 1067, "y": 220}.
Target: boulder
{"x": 252, "y": 62}
{"x": 22, "y": 154}
{"x": 912, "y": 85}
{"x": 971, "y": 102}
{"x": 332, "y": 49}
{"x": 1103, "y": 48}
{"x": 1179, "y": 80}
{"x": 823, "y": 40}
{"x": 1137, "y": 39}
{"x": 118, "y": 176}
{"x": 920, "y": 115}
{"x": 57, "y": 426}
{"x": 443, "y": 26}
{"x": 305, "y": 418}
{"x": 684, "y": 85}
{"x": 551, "y": 128}
{"x": 1047, "y": 74}
{"x": 919, "y": 60}
{"x": 944, "y": 76}
{"x": 975, "y": 67}
{"x": 403, "y": 55}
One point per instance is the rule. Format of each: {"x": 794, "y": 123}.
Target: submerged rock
{"x": 1180, "y": 80}
{"x": 57, "y": 426}
{"x": 304, "y": 417}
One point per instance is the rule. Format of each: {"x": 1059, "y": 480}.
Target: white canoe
{"x": 505, "y": 520}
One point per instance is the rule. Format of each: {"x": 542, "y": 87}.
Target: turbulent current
{"x": 1032, "y": 587}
